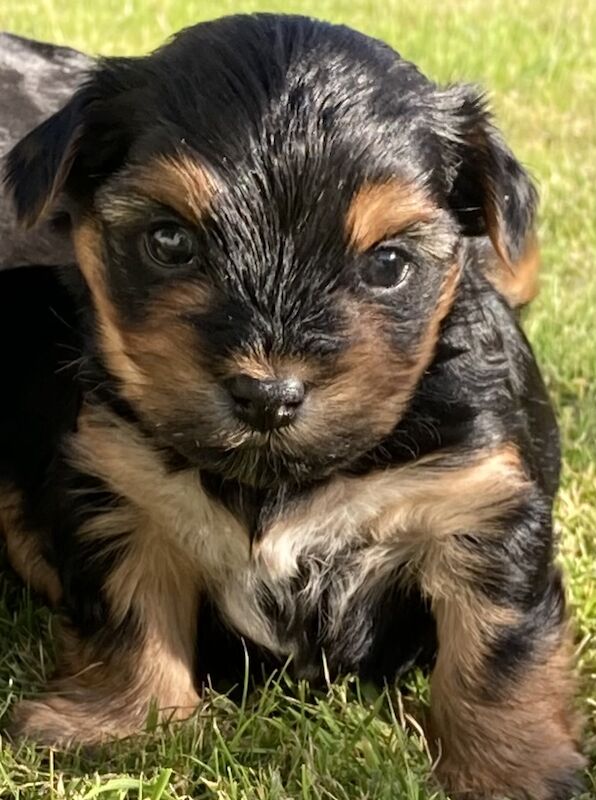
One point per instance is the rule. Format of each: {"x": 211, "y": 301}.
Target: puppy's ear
{"x": 490, "y": 192}
{"x": 38, "y": 166}
{"x": 76, "y": 148}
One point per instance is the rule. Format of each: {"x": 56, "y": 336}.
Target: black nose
{"x": 265, "y": 405}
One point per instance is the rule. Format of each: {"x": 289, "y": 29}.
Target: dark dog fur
{"x": 273, "y": 202}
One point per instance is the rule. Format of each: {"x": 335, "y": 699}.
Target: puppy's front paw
{"x": 60, "y": 722}
{"x": 560, "y": 780}
{"x": 567, "y": 783}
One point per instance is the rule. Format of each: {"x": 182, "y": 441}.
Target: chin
{"x": 262, "y": 461}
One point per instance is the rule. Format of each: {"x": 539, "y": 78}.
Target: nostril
{"x": 291, "y": 392}
{"x": 241, "y": 401}
{"x": 244, "y": 389}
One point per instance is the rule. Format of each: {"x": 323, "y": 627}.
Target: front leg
{"x": 502, "y": 687}
{"x": 127, "y": 643}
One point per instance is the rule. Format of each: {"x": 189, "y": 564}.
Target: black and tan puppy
{"x": 297, "y": 412}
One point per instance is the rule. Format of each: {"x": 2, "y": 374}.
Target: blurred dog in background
{"x": 35, "y": 80}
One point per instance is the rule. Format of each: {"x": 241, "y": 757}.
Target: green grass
{"x": 538, "y": 61}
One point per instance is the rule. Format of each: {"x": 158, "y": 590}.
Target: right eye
{"x": 170, "y": 245}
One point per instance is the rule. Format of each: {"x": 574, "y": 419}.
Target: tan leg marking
{"x": 414, "y": 510}
{"x": 144, "y": 654}
{"x": 105, "y": 688}
{"x": 23, "y": 549}
{"x": 512, "y": 745}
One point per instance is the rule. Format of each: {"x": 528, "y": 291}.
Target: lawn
{"x": 537, "y": 59}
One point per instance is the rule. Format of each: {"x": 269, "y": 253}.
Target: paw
{"x": 59, "y": 722}
{"x": 567, "y": 784}
{"x": 89, "y": 718}
{"x": 507, "y": 782}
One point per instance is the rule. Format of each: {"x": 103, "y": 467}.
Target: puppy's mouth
{"x": 262, "y": 459}
{"x": 254, "y": 458}
{"x": 319, "y": 438}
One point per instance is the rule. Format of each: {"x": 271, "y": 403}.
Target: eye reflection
{"x": 170, "y": 245}
{"x": 387, "y": 268}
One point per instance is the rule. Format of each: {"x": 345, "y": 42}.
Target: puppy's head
{"x": 271, "y": 215}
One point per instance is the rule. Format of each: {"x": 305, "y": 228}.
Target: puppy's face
{"x": 270, "y": 215}
{"x": 260, "y": 343}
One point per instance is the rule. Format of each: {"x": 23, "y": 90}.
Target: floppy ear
{"x": 38, "y": 166}
{"x": 75, "y": 149}
{"x": 491, "y": 193}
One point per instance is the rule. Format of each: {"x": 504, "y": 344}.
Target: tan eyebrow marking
{"x": 179, "y": 181}
{"x": 378, "y": 210}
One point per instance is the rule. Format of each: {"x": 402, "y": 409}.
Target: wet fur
{"x": 405, "y": 517}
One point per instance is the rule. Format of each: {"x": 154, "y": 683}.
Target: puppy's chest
{"x": 311, "y": 561}
{"x": 290, "y": 573}
{"x": 287, "y": 571}
{"x": 326, "y": 569}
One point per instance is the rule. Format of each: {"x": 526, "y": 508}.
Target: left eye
{"x": 170, "y": 245}
{"x": 387, "y": 268}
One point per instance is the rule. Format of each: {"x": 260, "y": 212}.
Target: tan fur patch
{"x": 175, "y": 504}
{"x": 180, "y": 182}
{"x": 155, "y": 581}
{"x": 103, "y": 694}
{"x": 444, "y": 498}
{"x": 265, "y": 366}
{"x": 385, "y": 209}
{"x": 429, "y": 343}
{"x": 100, "y": 696}
{"x": 518, "y": 282}
{"x": 88, "y": 249}
{"x": 518, "y": 742}
{"x": 373, "y": 361}
{"x": 268, "y": 366}
{"x": 171, "y": 508}
{"x": 156, "y": 368}
{"x": 415, "y": 510}
{"x": 24, "y": 550}
{"x": 165, "y": 350}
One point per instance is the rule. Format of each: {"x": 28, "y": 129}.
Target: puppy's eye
{"x": 170, "y": 245}
{"x": 387, "y": 268}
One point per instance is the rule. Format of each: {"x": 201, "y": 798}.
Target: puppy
{"x": 298, "y": 414}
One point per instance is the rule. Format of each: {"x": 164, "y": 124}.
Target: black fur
{"x": 292, "y": 117}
